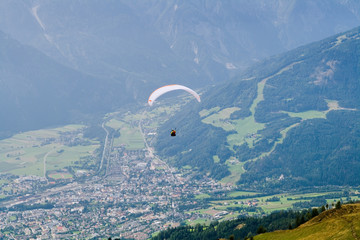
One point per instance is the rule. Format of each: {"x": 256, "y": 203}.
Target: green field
{"x": 130, "y": 135}
{"x": 221, "y": 118}
{"x": 245, "y": 128}
{"x": 236, "y": 169}
{"x": 60, "y": 175}
{"x": 285, "y": 202}
{"x": 307, "y": 115}
{"x": 67, "y": 156}
{"x": 205, "y": 112}
{"x": 216, "y": 159}
{"x": 128, "y": 124}
{"x": 202, "y": 196}
{"x": 25, "y": 153}
{"x": 241, "y": 193}
{"x": 3, "y": 182}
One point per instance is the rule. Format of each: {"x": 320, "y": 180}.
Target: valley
{"x": 128, "y": 191}
{"x": 270, "y": 142}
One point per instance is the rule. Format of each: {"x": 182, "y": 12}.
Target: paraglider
{"x": 168, "y": 88}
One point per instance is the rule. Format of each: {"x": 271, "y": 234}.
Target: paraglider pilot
{"x": 173, "y": 133}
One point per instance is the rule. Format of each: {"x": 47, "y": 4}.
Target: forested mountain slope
{"x": 294, "y": 117}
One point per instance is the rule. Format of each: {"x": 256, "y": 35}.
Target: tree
{"x": 260, "y": 230}
{"x": 302, "y": 219}
{"x": 314, "y": 212}
{"x": 338, "y": 205}
{"x": 322, "y": 209}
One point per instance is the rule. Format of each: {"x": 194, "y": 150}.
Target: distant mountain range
{"x": 36, "y": 91}
{"x": 124, "y": 49}
{"x": 290, "y": 121}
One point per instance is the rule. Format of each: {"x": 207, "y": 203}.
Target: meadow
{"x": 130, "y": 135}
{"x": 35, "y": 152}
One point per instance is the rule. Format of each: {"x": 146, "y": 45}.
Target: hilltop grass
{"x": 332, "y": 224}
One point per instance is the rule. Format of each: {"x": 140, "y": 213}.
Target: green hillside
{"x": 294, "y": 115}
{"x": 341, "y": 223}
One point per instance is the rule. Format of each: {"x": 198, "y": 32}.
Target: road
{"x": 44, "y": 159}
{"x": 105, "y": 145}
{"x": 151, "y": 151}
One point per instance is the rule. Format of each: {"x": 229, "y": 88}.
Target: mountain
{"x": 133, "y": 47}
{"x": 36, "y": 91}
{"x": 103, "y": 39}
{"x": 159, "y": 42}
{"x": 340, "y": 223}
{"x": 289, "y": 121}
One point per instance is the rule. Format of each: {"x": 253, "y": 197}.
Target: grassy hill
{"x": 341, "y": 223}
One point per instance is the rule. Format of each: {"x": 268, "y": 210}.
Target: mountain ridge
{"x": 312, "y": 87}
{"x": 139, "y": 46}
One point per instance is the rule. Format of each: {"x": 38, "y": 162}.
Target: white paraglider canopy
{"x": 168, "y": 88}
